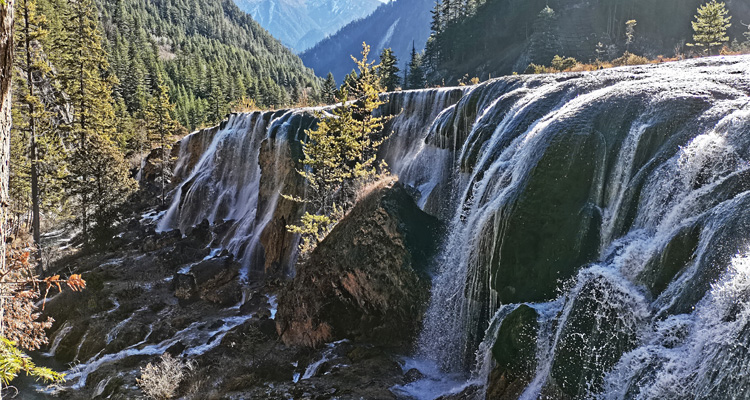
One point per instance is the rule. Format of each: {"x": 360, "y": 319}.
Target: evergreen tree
{"x": 328, "y": 93}
{"x": 436, "y": 22}
{"x": 98, "y": 180}
{"x": 711, "y": 26}
{"x": 629, "y": 33}
{"x": 161, "y": 129}
{"x": 29, "y": 111}
{"x": 340, "y": 156}
{"x": 388, "y": 71}
{"x": 416, "y": 71}
{"x": 544, "y": 40}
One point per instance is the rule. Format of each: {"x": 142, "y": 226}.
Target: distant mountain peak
{"x": 300, "y": 24}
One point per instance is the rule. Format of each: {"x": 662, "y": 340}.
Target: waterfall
{"x": 226, "y": 183}
{"x": 574, "y": 192}
{"x": 613, "y": 205}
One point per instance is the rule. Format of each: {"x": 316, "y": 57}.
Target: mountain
{"x": 300, "y": 24}
{"x": 504, "y": 36}
{"x": 397, "y": 25}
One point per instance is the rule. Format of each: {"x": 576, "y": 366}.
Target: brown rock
{"x": 365, "y": 280}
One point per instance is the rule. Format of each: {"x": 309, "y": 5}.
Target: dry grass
{"x": 160, "y": 381}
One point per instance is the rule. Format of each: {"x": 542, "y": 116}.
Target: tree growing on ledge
{"x": 711, "y": 26}
{"x": 340, "y": 155}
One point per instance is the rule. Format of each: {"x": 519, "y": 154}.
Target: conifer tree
{"x": 328, "y": 92}
{"x": 98, "y": 179}
{"x": 161, "y": 129}
{"x": 710, "y": 26}
{"x": 340, "y": 155}
{"x": 416, "y": 71}
{"x": 388, "y": 70}
{"x": 436, "y": 21}
{"x": 30, "y": 112}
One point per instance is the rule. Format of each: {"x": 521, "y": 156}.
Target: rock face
{"x": 515, "y": 354}
{"x": 278, "y": 157}
{"x": 213, "y": 280}
{"x": 366, "y": 280}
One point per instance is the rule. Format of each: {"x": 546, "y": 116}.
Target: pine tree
{"x": 161, "y": 129}
{"x": 436, "y": 22}
{"x": 31, "y": 114}
{"x": 328, "y": 92}
{"x": 340, "y": 155}
{"x": 629, "y": 33}
{"x": 99, "y": 180}
{"x": 388, "y": 70}
{"x": 711, "y": 26}
{"x": 416, "y": 71}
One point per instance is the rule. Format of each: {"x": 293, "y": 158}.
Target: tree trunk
{"x": 6, "y": 71}
{"x": 35, "y": 217}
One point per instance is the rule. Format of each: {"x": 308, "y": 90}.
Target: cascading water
{"x": 613, "y": 206}
{"x": 225, "y": 182}
{"x": 619, "y": 169}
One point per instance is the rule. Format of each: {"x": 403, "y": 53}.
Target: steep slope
{"x": 396, "y": 25}
{"x": 212, "y": 53}
{"x": 504, "y": 36}
{"x": 300, "y": 24}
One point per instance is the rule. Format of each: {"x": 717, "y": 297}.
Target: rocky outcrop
{"x": 189, "y": 151}
{"x": 214, "y": 280}
{"x": 366, "y": 280}
{"x": 277, "y": 160}
{"x": 515, "y": 354}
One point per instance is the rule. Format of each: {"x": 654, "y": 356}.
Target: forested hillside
{"x": 99, "y": 86}
{"x": 497, "y": 37}
{"x": 397, "y": 25}
{"x": 211, "y": 53}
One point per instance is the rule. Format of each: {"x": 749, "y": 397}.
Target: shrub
{"x": 160, "y": 381}
{"x": 629, "y": 59}
{"x": 562, "y": 64}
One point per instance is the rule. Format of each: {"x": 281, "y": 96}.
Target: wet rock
{"x": 193, "y": 146}
{"x": 176, "y": 349}
{"x": 364, "y": 280}
{"x": 549, "y": 232}
{"x": 678, "y": 253}
{"x": 603, "y": 324}
{"x": 278, "y": 159}
{"x": 472, "y": 392}
{"x": 184, "y": 287}
{"x": 254, "y": 304}
{"x": 213, "y": 280}
{"x": 514, "y": 352}
{"x": 412, "y": 375}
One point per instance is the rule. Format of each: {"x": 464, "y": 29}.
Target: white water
{"x": 225, "y": 182}
{"x": 670, "y": 154}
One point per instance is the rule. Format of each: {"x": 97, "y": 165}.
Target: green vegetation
{"x": 711, "y": 26}
{"x": 487, "y": 38}
{"x": 388, "y": 71}
{"x": 14, "y": 361}
{"x": 328, "y": 93}
{"x": 340, "y": 154}
{"x": 415, "y": 78}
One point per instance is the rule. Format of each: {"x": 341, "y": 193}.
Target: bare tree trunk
{"x": 6, "y": 71}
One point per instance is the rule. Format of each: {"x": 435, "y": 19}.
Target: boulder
{"x": 366, "y": 280}
{"x": 213, "y": 280}
{"x": 602, "y": 325}
{"x": 514, "y": 352}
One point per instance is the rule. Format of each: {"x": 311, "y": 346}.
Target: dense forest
{"x": 98, "y": 86}
{"x": 491, "y": 38}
